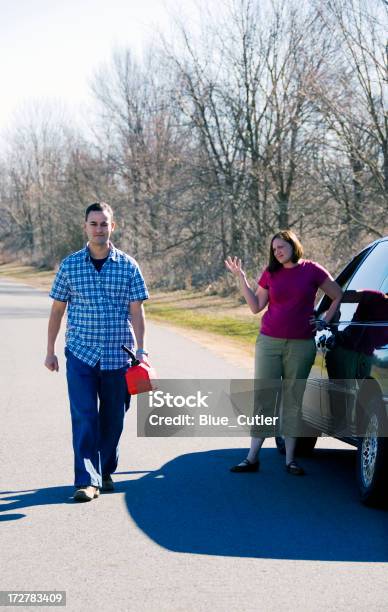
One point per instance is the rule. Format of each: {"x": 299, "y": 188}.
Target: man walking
{"x": 103, "y": 290}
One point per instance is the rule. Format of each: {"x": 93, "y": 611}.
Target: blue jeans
{"x": 96, "y": 429}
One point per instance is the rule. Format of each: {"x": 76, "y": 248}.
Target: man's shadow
{"x": 17, "y": 500}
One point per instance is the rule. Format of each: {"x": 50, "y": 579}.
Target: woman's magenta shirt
{"x": 291, "y": 295}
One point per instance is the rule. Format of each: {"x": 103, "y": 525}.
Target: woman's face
{"x": 282, "y": 250}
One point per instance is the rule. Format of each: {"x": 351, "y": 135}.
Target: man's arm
{"x": 57, "y": 311}
{"x": 138, "y": 323}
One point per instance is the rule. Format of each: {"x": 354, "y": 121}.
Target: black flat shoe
{"x": 295, "y": 469}
{"x": 246, "y": 466}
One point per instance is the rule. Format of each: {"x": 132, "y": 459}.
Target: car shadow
{"x": 193, "y": 504}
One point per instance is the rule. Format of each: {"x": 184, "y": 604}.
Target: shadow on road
{"x": 193, "y": 504}
{"x": 17, "y": 500}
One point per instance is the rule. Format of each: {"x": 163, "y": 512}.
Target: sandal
{"x": 246, "y": 466}
{"x": 294, "y": 468}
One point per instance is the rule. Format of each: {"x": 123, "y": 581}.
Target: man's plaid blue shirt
{"x": 98, "y": 318}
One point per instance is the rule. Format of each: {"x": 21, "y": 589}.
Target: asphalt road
{"x": 180, "y": 532}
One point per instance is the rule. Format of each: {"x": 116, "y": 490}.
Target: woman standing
{"x": 285, "y": 347}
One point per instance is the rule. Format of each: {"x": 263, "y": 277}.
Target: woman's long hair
{"x": 297, "y": 249}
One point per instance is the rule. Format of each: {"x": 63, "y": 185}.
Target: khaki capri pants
{"x": 281, "y": 369}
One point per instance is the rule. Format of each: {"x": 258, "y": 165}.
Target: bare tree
{"x": 352, "y": 102}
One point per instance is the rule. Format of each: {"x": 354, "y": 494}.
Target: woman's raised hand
{"x": 234, "y": 266}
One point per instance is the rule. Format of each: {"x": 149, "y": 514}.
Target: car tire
{"x": 372, "y": 457}
{"x": 304, "y": 446}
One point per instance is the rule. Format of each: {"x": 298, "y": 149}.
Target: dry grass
{"x": 30, "y": 275}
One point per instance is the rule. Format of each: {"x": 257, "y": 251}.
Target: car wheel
{"x": 304, "y": 446}
{"x": 372, "y": 458}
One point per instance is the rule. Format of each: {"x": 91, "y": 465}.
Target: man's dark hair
{"x": 297, "y": 249}
{"x": 99, "y": 207}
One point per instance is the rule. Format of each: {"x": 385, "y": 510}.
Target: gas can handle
{"x": 132, "y": 355}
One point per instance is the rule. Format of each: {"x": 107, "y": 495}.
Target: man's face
{"x": 98, "y": 227}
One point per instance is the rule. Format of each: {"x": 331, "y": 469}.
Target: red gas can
{"x": 139, "y": 375}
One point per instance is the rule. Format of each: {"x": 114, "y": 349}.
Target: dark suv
{"x": 347, "y": 391}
